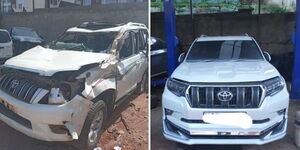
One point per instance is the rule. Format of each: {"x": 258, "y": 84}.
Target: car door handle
{"x": 1, "y": 47}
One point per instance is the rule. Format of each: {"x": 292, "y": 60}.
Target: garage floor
{"x": 158, "y": 142}
{"x": 135, "y": 116}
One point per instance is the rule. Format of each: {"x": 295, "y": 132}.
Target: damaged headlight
{"x": 273, "y": 86}
{"x": 176, "y": 87}
{"x": 60, "y": 94}
{"x": 56, "y": 96}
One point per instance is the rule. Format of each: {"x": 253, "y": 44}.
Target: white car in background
{"x": 6, "y": 50}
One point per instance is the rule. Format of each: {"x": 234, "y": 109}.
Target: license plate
{"x": 234, "y": 119}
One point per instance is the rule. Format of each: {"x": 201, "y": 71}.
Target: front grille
{"x": 207, "y": 97}
{"x": 19, "y": 87}
{"x": 10, "y": 114}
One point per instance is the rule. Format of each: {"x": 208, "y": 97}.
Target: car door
{"x": 142, "y": 52}
{"x": 127, "y": 66}
{"x": 6, "y": 50}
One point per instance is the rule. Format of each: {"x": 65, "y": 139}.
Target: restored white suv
{"x": 225, "y": 92}
{"x": 70, "y": 90}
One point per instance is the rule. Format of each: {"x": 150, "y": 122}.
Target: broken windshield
{"x": 99, "y": 42}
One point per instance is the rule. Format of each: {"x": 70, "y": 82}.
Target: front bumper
{"x": 34, "y": 119}
{"x": 269, "y": 123}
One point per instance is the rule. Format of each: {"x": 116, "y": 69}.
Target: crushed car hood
{"x": 46, "y": 61}
{"x": 225, "y": 71}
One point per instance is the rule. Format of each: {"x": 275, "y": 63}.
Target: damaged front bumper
{"x": 43, "y": 121}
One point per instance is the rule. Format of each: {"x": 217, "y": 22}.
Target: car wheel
{"x": 93, "y": 127}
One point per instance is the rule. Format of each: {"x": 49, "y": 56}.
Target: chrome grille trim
{"x": 241, "y": 99}
{"x": 25, "y": 90}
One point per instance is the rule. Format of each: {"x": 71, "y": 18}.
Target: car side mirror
{"x": 267, "y": 56}
{"x": 181, "y": 57}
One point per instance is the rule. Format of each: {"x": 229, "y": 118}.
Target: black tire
{"x": 83, "y": 142}
{"x": 143, "y": 85}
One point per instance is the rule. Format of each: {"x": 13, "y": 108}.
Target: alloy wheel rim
{"x": 95, "y": 127}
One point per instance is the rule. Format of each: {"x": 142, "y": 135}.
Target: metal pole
{"x": 295, "y": 94}
{"x": 259, "y": 1}
{"x": 191, "y": 8}
{"x": 170, "y": 31}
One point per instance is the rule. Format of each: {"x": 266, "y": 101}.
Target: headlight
{"x": 176, "y": 87}
{"x": 60, "y": 94}
{"x": 56, "y": 96}
{"x": 273, "y": 86}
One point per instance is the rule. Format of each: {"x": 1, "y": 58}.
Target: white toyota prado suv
{"x": 71, "y": 89}
{"x": 225, "y": 91}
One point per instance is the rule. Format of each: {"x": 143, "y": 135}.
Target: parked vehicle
{"x": 71, "y": 89}
{"x": 159, "y": 67}
{"x": 6, "y": 49}
{"x": 24, "y": 39}
{"x": 225, "y": 91}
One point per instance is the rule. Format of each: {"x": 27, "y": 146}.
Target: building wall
{"x": 39, "y": 4}
{"x": 272, "y": 31}
{"x": 54, "y": 21}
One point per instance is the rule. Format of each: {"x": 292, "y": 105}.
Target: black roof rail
{"x": 203, "y": 35}
{"x": 97, "y": 25}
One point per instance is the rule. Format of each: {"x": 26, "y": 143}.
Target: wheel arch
{"x": 109, "y": 97}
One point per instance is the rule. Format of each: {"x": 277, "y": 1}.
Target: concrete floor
{"x": 158, "y": 142}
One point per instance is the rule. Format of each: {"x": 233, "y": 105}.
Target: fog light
{"x": 58, "y": 129}
{"x": 280, "y": 112}
{"x": 168, "y": 111}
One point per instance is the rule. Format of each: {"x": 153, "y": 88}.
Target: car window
{"x": 145, "y": 37}
{"x": 25, "y": 32}
{"x": 4, "y": 37}
{"x": 100, "y": 42}
{"x": 126, "y": 47}
{"x": 135, "y": 42}
{"x": 229, "y": 49}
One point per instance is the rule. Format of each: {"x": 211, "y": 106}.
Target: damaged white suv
{"x": 225, "y": 92}
{"x": 71, "y": 89}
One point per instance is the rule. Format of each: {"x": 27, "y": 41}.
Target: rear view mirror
{"x": 181, "y": 57}
{"x": 267, "y": 56}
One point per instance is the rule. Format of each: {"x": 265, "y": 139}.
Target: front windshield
{"x": 88, "y": 42}
{"x": 25, "y": 32}
{"x": 224, "y": 50}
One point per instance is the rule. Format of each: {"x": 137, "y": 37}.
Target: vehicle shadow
{"x": 208, "y": 147}
{"x": 14, "y": 140}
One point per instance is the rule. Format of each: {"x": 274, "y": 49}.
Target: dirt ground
{"x": 133, "y": 138}
{"x": 131, "y": 133}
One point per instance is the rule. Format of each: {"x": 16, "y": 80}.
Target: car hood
{"x": 27, "y": 39}
{"x": 225, "y": 71}
{"x": 46, "y": 61}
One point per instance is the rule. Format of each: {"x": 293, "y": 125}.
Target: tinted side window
{"x": 135, "y": 42}
{"x": 4, "y": 37}
{"x": 126, "y": 47}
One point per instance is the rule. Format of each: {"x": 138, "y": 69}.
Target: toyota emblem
{"x": 14, "y": 84}
{"x": 225, "y": 95}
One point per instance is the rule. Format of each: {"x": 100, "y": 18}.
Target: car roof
{"x": 27, "y": 28}
{"x": 93, "y": 27}
{"x": 3, "y": 30}
{"x": 224, "y": 38}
